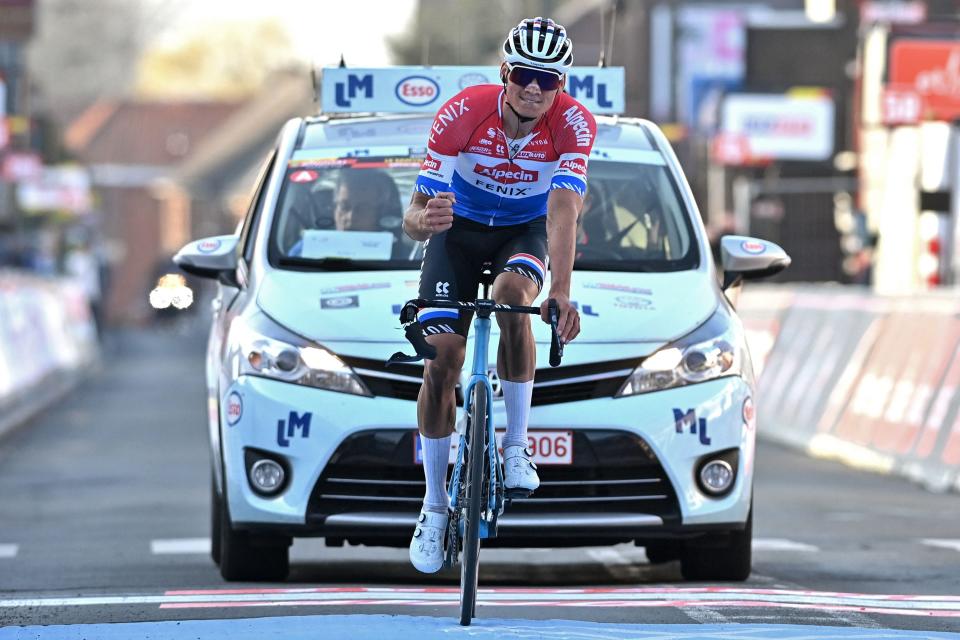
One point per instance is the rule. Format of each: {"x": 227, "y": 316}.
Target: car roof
{"x": 412, "y": 130}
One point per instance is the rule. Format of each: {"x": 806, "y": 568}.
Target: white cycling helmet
{"x": 541, "y": 43}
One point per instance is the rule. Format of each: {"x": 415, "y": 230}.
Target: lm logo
{"x": 585, "y": 84}
{"x": 287, "y": 430}
{"x": 347, "y": 91}
{"x": 689, "y": 420}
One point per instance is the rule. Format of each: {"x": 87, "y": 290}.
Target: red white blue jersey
{"x": 498, "y": 181}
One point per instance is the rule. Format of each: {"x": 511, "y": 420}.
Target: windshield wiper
{"x": 296, "y": 261}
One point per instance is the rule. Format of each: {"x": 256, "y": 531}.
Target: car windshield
{"x": 346, "y": 213}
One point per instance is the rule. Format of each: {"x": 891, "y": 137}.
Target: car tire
{"x": 661, "y": 551}
{"x": 722, "y": 557}
{"x": 216, "y": 505}
{"x": 251, "y": 558}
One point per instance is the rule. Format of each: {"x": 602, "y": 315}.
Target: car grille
{"x": 611, "y": 471}
{"x": 550, "y": 386}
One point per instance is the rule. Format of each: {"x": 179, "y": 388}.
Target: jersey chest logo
{"x": 506, "y": 173}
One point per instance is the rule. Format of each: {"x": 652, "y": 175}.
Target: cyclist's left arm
{"x": 563, "y": 207}
{"x": 574, "y": 132}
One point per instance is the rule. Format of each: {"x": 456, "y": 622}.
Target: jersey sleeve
{"x": 448, "y": 135}
{"x": 577, "y": 130}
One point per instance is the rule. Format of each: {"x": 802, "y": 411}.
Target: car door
{"x": 225, "y": 306}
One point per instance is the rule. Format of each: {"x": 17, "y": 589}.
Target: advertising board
{"x": 778, "y": 127}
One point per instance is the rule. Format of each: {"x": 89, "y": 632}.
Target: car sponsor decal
{"x": 340, "y": 302}
{"x": 748, "y": 412}
{"x": 586, "y": 309}
{"x": 358, "y": 159}
{"x": 208, "y": 246}
{"x": 304, "y": 175}
{"x": 688, "y": 421}
{"x": 609, "y": 286}
{"x": 753, "y": 247}
{"x": 417, "y": 91}
{"x": 295, "y": 425}
{"x": 346, "y": 288}
{"x": 471, "y": 79}
{"x": 234, "y": 408}
{"x": 634, "y": 303}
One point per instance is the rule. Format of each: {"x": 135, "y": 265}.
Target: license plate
{"x": 549, "y": 447}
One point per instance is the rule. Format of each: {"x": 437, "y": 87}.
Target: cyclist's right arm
{"x": 428, "y": 215}
{"x": 431, "y": 208}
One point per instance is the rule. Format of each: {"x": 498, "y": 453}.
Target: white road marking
{"x": 616, "y": 563}
{"x": 781, "y": 544}
{"x": 705, "y": 615}
{"x": 943, "y": 543}
{"x": 180, "y": 546}
{"x": 647, "y": 597}
{"x": 8, "y": 550}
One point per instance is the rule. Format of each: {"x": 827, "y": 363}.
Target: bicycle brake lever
{"x": 556, "y": 345}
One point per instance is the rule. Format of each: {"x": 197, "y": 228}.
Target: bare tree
{"x": 89, "y": 49}
{"x": 468, "y": 32}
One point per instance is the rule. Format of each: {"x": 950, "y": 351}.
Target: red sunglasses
{"x": 522, "y": 76}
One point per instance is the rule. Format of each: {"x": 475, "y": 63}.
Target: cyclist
{"x": 505, "y": 172}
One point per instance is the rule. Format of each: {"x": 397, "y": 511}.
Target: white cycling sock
{"x": 516, "y": 397}
{"x": 436, "y": 457}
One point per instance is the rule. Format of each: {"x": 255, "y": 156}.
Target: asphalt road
{"x": 104, "y": 514}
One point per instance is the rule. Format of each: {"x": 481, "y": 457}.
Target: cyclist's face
{"x": 529, "y": 101}
{"x": 357, "y": 210}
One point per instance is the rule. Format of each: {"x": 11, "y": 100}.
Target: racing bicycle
{"x": 477, "y": 494}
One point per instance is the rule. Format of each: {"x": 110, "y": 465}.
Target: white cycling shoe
{"x": 519, "y": 471}
{"x": 426, "y": 546}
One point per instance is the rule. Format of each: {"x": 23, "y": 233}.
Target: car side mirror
{"x": 745, "y": 258}
{"x": 214, "y": 258}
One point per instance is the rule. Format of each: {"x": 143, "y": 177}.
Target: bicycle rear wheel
{"x": 470, "y": 562}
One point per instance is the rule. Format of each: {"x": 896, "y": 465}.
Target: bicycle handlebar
{"x": 411, "y": 327}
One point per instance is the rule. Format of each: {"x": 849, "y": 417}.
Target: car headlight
{"x": 712, "y": 350}
{"x": 267, "y": 350}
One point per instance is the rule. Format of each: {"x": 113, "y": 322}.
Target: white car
{"x": 645, "y": 432}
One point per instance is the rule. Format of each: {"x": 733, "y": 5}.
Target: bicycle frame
{"x": 478, "y": 375}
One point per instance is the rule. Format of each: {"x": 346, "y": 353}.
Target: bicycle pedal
{"x": 514, "y": 494}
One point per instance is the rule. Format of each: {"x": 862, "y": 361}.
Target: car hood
{"x": 623, "y": 315}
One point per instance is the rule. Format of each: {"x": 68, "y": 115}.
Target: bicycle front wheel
{"x": 477, "y": 448}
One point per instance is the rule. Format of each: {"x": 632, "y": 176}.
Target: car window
{"x": 253, "y": 212}
{"x": 346, "y": 208}
{"x": 633, "y": 219}
{"x": 332, "y": 209}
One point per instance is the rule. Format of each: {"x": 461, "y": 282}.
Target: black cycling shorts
{"x": 454, "y": 259}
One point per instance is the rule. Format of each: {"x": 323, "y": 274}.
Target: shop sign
{"x": 931, "y": 69}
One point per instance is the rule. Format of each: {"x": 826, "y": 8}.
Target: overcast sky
{"x": 321, "y": 30}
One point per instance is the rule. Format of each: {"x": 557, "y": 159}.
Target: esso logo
{"x": 417, "y": 91}
{"x": 753, "y": 247}
{"x": 208, "y": 246}
{"x": 234, "y": 408}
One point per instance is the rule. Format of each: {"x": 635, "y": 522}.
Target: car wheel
{"x": 661, "y": 551}
{"x": 216, "y": 505}
{"x": 725, "y": 557}
{"x": 248, "y": 557}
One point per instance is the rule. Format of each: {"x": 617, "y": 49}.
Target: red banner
{"x": 931, "y": 70}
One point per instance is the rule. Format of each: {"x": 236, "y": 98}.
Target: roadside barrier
{"x": 868, "y": 380}
{"x": 47, "y": 337}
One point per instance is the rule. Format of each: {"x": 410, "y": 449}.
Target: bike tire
{"x": 470, "y": 563}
